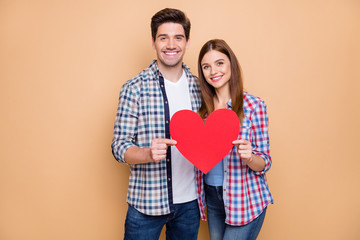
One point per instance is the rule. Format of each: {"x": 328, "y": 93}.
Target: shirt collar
{"x": 229, "y": 104}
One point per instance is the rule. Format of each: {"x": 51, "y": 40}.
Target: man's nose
{"x": 171, "y": 44}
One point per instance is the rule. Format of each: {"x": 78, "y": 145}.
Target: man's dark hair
{"x": 170, "y": 15}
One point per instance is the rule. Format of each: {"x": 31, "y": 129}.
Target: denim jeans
{"x": 218, "y": 229}
{"x": 181, "y": 224}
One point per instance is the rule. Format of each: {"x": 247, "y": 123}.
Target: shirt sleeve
{"x": 260, "y": 136}
{"x": 125, "y": 127}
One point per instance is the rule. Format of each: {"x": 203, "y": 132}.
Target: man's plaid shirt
{"x": 142, "y": 115}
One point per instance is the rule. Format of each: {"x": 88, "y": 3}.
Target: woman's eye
{"x": 220, "y": 63}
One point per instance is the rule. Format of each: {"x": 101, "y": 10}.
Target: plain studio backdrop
{"x": 62, "y": 64}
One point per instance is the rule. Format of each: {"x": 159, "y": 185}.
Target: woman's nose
{"x": 213, "y": 70}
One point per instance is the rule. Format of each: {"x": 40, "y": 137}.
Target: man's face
{"x": 170, "y": 44}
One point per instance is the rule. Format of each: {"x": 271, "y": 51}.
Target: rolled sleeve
{"x": 125, "y": 127}
{"x": 260, "y": 136}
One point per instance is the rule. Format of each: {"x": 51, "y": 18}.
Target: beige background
{"x": 62, "y": 64}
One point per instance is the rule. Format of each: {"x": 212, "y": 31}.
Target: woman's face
{"x": 216, "y": 69}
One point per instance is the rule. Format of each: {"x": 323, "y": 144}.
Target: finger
{"x": 245, "y": 155}
{"x": 169, "y": 142}
{"x": 240, "y": 141}
{"x": 158, "y": 146}
{"x": 244, "y": 152}
{"x": 158, "y": 158}
{"x": 245, "y": 147}
{"x": 158, "y": 155}
{"x": 159, "y": 151}
{"x": 162, "y": 146}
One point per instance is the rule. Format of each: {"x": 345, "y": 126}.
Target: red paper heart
{"x": 204, "y": 145}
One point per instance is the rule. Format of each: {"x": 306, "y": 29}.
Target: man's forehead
{"x": 170, "y": 29}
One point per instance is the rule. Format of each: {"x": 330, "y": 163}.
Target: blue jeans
{"x": 181, "y": 224}
{"x": 218, "y": 229}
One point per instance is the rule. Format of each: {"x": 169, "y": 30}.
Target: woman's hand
{"x": 244, "y": 149}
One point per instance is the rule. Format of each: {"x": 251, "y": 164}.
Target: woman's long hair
{"x": 235, "y": 82}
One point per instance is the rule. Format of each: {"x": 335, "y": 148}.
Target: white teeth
{"x": 170, "y": 53}
{"x": 216, "y": 78}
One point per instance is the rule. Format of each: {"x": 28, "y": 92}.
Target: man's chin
{"x": 170, "y": 64}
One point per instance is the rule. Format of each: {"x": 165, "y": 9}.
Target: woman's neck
{"x": 221, "y": 98}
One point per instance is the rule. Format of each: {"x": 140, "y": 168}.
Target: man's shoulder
{"x": 192, "y": 77}
{"x": 147, "y": 74}
{"x": 193, "y": 80}
{"x": 188, "y": 73}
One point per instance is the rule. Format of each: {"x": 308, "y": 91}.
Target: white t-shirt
{"x": 183, "y": 174}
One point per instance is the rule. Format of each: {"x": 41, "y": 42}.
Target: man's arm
{"x": 126, "y": 122}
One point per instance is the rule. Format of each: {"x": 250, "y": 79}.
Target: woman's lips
{"x": 216, "y": 79}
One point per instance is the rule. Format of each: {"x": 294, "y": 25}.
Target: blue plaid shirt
{"x": 142, "y": 115}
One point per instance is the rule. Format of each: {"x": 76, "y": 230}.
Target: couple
{"x": 165, "y": 188}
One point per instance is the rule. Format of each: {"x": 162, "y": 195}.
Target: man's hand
{"x": 159, "y": 147}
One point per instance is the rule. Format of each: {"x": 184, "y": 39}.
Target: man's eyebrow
{"x": 166, "y": 35}
{"x": 162, "y": 35}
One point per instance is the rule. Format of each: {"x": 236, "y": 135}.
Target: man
{"x": 162, "y": 188}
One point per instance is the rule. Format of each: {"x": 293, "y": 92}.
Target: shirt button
{"x": 165, "y": 102}
{"x": 167, "y": 121}
{"x": 169, "y": 179}
{"x": 162, "y": 85}
{"x": 168, "y": 160}
{"x": 225, "y": 171}
{"x": 224, "y": 189}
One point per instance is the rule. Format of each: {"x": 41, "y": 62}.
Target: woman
{"x": 236, "y": 191}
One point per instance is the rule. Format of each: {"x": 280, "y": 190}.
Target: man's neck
{"x": 172, "y": 74}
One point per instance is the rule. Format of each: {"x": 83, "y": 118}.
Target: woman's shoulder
{"x": 251, "y": 101}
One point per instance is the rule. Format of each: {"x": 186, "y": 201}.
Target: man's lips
{"x": 171, "y": 53}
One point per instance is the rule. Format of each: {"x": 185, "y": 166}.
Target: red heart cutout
{"x": 204, "y": 145}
